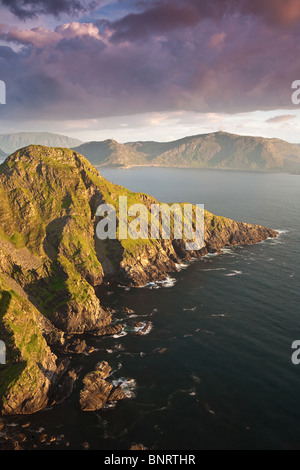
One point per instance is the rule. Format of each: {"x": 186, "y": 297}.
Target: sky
{"x": 150, "y": 70}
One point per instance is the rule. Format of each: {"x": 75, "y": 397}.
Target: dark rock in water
{"x": 162, "y": 350}
{"x": 103, "y": 369}
{"x": 137, "y": 447}
{"x": 108, "y": 330}
{"x": 117, "y": 394}
{"x": 65, "y": 387}
{"x": 127, "y": 310}
{"x": 143, "y": 329}
{"x": 97, "y": 391}
{"x": 75, "y": 346}
{"x": 62, "y": 366}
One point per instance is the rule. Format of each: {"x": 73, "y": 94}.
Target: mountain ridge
{"x": 217, "y": 150}
{"x": 12, "y": 142}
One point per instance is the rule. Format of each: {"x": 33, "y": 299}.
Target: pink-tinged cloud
{"x": 221, "y": 56}
{"x": 78, "y": 30}
{"x": 37, "y": 37}
{"x": 280, "y": 119}
{"x": 42, "y": 37}
{"x": 217, "y": 40}
{"x": 280, "y": 12}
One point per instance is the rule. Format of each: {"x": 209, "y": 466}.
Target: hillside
{"x": 218, "y": 150}
{"x": 51, "y": 265}
{"x": 9, "y": 143}
{"x": 110, "y": 153}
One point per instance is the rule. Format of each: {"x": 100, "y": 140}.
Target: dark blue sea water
{"x": 215, "y": 371}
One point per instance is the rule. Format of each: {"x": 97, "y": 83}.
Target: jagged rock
{"x": 103, "y": 369}
{"x": 117, "y": 394}
{"x": 162, "y": 350}
{"x": 143, "y": 329}
{"x": 75, "y": 346}
{"x": 127, "y": 310}
{"x": 66, "y": 385}
{"x": 97, "y": 391}
{"x": 137, "y": 447}
{"x": 108, "y": 330}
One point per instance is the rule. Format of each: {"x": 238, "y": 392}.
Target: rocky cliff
{"x": 51, "y": 262}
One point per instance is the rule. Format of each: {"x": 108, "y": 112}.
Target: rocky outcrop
{"x": 31, "y": 369}
{"x": 221, "y": 232}
{"x": 66, "y": 386}
{"x": 97, "y": 391}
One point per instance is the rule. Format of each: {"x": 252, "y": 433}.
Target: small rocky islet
{"x": 52, "y": 268}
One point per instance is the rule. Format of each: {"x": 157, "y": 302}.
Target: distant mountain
{"x": 9, "y": 143}
{"x": 215, "y": 150}
{"x": 2, "y": 154}
{"x": 111, "y": 153}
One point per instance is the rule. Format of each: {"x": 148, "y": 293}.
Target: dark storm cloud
{"x": 161, "y": 19}
{"x": 166, "y": 15}
{"x": 33, "y": 8}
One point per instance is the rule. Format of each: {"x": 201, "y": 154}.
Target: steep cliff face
{"x": 51, "y": 261}
{"x": 26, "y": 381}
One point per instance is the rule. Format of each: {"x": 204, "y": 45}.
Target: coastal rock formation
{"x": 97, "y": 391}
{"x": 66, "y": 385}
{"x": 52, "y": 263}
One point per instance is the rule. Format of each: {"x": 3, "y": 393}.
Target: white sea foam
{"x": 227, "y": 251}
{"x": 128, "y": 386}
{"x": 276, "y": 240}
{"x": 124, "y": 287}
{"x": 214, "y": 269}
{"x": 167, "y": 282}
{"x": 210, "y": 255}
{"x": 123, "y": 333}
{"x": 107, "y": 406}
{"x": 196, "y": 378}
{"x": 181, "y": 266}
{"x": 139, "y": 329}
{"x": 207, "y": 332}
{"x": 234, "y": 273}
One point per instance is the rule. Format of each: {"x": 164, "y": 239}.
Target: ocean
{"x": 215, "y": 371}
